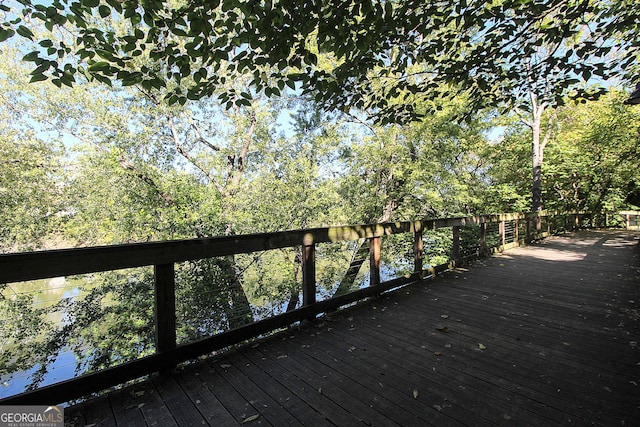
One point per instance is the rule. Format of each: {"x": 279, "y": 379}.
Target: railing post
{"x": 165, "y": 306}
{"x": 516, "y": 233}
{"x": 374, "y": 261}
{"x": 455, "y": 249}
{"x": 483, "y": 238}
{"x": 308, "y": 274}
{"x": 503, "y": 235}
{"x": 418, "y": 250}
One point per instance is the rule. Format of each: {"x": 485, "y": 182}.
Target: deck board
{"x": 540, "y": 335}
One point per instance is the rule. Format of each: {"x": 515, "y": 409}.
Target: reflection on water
{"x": 63, "y": 368}
{"x": 44, "y": 294}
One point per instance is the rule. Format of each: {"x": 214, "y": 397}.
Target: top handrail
{"x": 18, "y": 267}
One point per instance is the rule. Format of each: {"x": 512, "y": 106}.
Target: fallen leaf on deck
{"x": 225, "y": 366}
{"x": 444, "y": 316}
{"x": 251, "y": 418}
{"x": 437, "y": 353}
{"x": 482, "y": 346}
{"x": 443, "y": 329}
{"x": 415, "y": 394}
{"x": 284, "y": 356}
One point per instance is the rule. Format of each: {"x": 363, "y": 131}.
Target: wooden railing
{"x": 631, "y": 219}
{"x": 492, "y": 233}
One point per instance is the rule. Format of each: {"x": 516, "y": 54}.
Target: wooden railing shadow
{"x": 472, "y": 237}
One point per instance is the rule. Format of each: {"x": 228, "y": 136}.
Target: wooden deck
{"x": 543, "y": 335}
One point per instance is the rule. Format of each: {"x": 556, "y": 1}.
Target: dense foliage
{"x": 380, "y": 50}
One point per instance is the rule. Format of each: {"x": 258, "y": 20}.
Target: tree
{"x": 421, "y": 169}
{"x": 593, "y": 164}
{"x": 30, "y": 208}
{"x": 498, "y": 53}
{"x": 32, "y": 172}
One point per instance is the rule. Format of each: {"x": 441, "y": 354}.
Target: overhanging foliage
{"x": 495, "y": 51}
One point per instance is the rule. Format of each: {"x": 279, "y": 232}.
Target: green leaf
{"x": 99, "y": 66}
{"x": 38, "y": 78}
{"x": 31, "y": 56}
{"x": 25, "y": 32}
{"x": 102, "y": 79}
{"x": 104, "y": 11}
{"x": 6, "y": 34}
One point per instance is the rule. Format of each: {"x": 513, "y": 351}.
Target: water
{"x": 48, "y": 292}
{"x": 45, "y": 293}
{"x": 63, "y": 368}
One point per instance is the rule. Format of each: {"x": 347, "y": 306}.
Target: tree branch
{"x": 127, "y": 165}
{"x": 237, "y": 168}
{"x": 188, "y": 157}
{"x": 522, "y": 118}
{"x": 549, "y": 130}
{"x": 199, "y": 137}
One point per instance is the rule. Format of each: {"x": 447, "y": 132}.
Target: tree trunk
{"x": 239, "y": 314}
{"x": 537, "y": 158}
{"x": 537, "y": 147}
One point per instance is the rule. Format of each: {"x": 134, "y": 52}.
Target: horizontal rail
{"x": 163, "y": 255}
{"x": 20, "y": 267}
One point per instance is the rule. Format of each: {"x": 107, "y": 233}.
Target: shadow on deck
{"x": 541, "y": 335}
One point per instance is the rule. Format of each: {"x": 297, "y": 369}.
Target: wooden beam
{"x": 165, "y": 307}
{"x": 308, "y": 274}
{"x": 374, "y": 261}
{"x": 455, "y": 249}
{"x": 418, "y": 250}
{"x": 483, "y": 239}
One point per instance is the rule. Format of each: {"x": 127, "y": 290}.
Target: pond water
{"x": 45, "y": 293}
{"x": 48, "y": 292}
{"x": 63, "y": 368}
